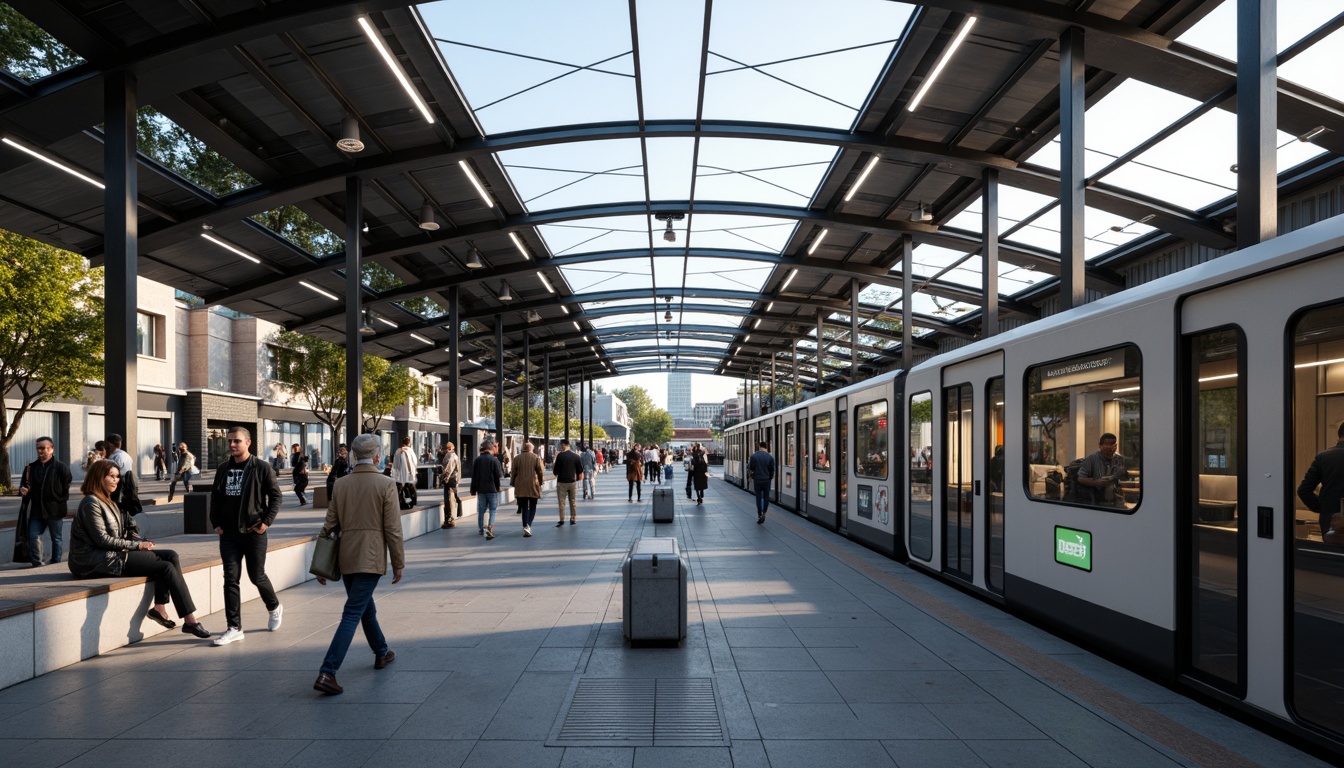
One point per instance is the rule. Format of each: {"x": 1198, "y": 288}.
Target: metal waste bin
{"x": 662, "y": 505}
{"x": 196, "y": 512}
{"x": 654, "y": 576}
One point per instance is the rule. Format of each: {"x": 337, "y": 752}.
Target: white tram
{"x": 1195, "y": 561}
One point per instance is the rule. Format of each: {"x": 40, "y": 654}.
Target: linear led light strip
{"x": 315, "y": 289}
{"x": 942, "y": 62}
{"x": 376, "y": 38}
{"x": 54, "y": 163}
{"x": 231, "y": 248}
{"x": 519, "y": 245}
{"x": 867, "y": 169}
{"x": 1320, "y": 362}
{"x": 546, "y": 283}
{"x": 475, "y": 182}
{"x": 418, "y": 337}
{"x": 817, "y": 241}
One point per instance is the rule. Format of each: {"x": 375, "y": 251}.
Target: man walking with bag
{"x": 186, "y": 467}
{"x": 46, "y": 489}
{"x": 244, "y": 501}
{"x": 364, "y": 510}
{"x": 450, "y": 476}
{"x": 403, "y": 471}
{"x": 568, "y": 472}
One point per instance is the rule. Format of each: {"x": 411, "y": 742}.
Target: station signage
{"x": 1073, "y": 548}
{"x": 1084, "y": 370}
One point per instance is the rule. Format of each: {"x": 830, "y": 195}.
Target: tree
{"x": 315, "y": 369}
{"x": 653, "y": 427}
{"x": 26, "y": 50}
{"x": 637, "y": 403}
{"x": 386, "y": 386}
{"x": 51, "y": 330}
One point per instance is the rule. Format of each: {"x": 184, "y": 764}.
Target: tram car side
{"x": 1125, "y": 472}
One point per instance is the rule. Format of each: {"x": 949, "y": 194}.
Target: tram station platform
{"x": 803, "y": 650}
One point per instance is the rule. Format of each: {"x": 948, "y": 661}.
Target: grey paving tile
{"x": 773, "y": 659}
{"x": 44, "y": 753}
{"x": 933, "y": 753}
{"x": 531, "y": 707}
{"x": 911, "y": 657}
{"x": 1025, "y": 754}
{"x": 983, "y": 720}
{"x": 1240, "y": 738}
{"x": 824, "y": 637}
{"x": 857, "y": 618}
{"x": 749, "y": 753}
{"x": 514, "y": 754}
{"x": 135, "y": 753}
{"x": 328, "y": 717}
{"x": 827, "y": 754}
{"x": 555, "y": 660}
{"x": 700, "y": 757}
{"x": 788, "y": 687}
{"x": 331, "y": 753}
{"x": 900, "y": 720}
{"x": 411, "y": 753}
{"x": 767, "y": 620}
{"x": 649, "y": 662}
{"x": 598, "y": 757}
{"x": 761, "y": 637}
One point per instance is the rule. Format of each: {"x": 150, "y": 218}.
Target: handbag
{"x": 326, "y": 561}
{"x": 21, "y": 552}
{"x": 406, "y": 495}
{"x": 195, "y": 470}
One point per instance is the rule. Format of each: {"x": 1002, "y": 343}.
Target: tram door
{"x": 803, "y": 457}
{"x": 970, "y": 433}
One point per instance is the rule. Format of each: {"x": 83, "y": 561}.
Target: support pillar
{"x": 853, "y": 331}
{"x": 989, "y": 277}
{"x": 354, "y": 305}
{"x": 499, "y": 380}
{"x": 1072, "y": 170}
{"x": 821, "y": 351}
{"x": 592, "y": 412}
{"x": 527, "y": 386}
{"x": 121, "y": 254}
{"x": 583, "y": 379}
{"x": 1257, "y": 119}
{"x": 546, "y": 403}
{"x": 907, "y": 301}
{"x": 454, "y": 368}
{"x": 797, "y": 394}
{"x": 568, "y": 384}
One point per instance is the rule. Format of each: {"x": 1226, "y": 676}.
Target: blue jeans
{"x": 527, "y": 505}
{"x": 36, "y": 525}
{"x": 486, "y": 502}
{"x": 762, "y": 497}
{"x": 359, "y": 609}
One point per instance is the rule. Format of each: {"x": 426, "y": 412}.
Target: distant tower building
{"x": 679, "y": 395}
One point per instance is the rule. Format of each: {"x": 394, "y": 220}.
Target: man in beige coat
{"x": 526, "y": 477}
{"x": 364, "y": 509}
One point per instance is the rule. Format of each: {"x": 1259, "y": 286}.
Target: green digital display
{"x": 1073, "y": 548}
{"x": 821, "y": 487}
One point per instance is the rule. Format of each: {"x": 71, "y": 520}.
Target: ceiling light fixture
{"x": 364, "y": 328}
{"x": 474, "y": 258}
{"x": 504, "y": 293}
{"x": 757, "y": 324}
{"x": 518, "y": 243}
{"x": 811, "y": 249}
{"x": 427, "y": 221}
{"x": 564, "y": 309}
{"x": 349, "y": 141}
{"x": 385, "y": 321}
{"x": 315, "y": 289}
{"x": 420, "y": 338}
{"x": 545, "y": 282}
{"x": 533, "y": 316}
{"x": 54, "y": 163}
{"x": 667, "y": 316}
{"x": 922, "y": 214}
{"x": 792, "y": 274}
{"x": 231, "y": 248}
{"x": 769, "y": 307}
{"x": 942, "y": 62}
{"x": 669, "y": 234}
{"x": 376, "y": 38}
{"x": 1313, "y": 133}
{"x": 867, "y": 169}
{"x": 475, "y": 182}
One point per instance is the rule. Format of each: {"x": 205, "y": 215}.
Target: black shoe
{"x": 158, "y": 618}
{"x": 196, "y": 629}
{"x": 560, "y": 524}
{"x": 379, "y": 662}
{"x": 760, "y": 519}
{"x": 327, "y": 684}
{"x": 572, "y": 522}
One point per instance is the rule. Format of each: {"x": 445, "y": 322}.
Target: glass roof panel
{"x": 525, "y": 65}
{"x": 1317, "y": 67}
{"x": 780, "y": 172}
{"x": 746, "y": 233}
{"x": 581, "y": 173}
{"x": 624, "y": 321}
{"x": 733, "y": 274}
{"x": 604, "y": 233}
{"x": 670, "y": 162}
{"x": 706, "y": 318}
{"x": 610, "y": 275}
{"x": 762, "y": 69}
{"x": 587, "y": 305}
{"x": 33, "y": 54}
{"x": 1217, "y": 32}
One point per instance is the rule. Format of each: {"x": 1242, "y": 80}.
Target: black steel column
{"x": 583, "y": 379}
{"x": 989, "y": 278}
{"x": 120, "y": 256}
{"x": 592, "y": 412}
{"x": 546, "y": 403}
{"x": 499, "y": 380}
{"x": 354, "y": 305}
{"x": 774, "y": 373}
{"x": 454, "y": 367}
{"x": 1257, "y": 119}
{"x": 527, "y": 386}
{"x": 1072, "y": 170}
{"x": 853, "y": 331}
{"x": 567, "y": 386}
{"x": 907, "y": 301}
{"x": 797, "y": 392}
{"x": 821, "y": 349}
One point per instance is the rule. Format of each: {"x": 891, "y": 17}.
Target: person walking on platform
{"x": 186, "y": 465}
{"x": 487, "y": 476}
{"x": 600, "y": 460}
{"x": 526, "y": 477}
{"x": 761, "y": 469}
{"x": 127, "y": 495}
{"x": 699, "y": 474}
{"x": 653, "y": 465}
{"x": 403, "y": 471}
{"x": 46, "y": 489}
{"x": 160, "y": 463}
{"x": 450, "y": 476}
{"x": 591, "y": 464}
{"x": 244, "y": 500}
{"x": 365, "y": 510}
{"x": 299, "y": 464}
{"x": 634, "y": 473}
{"x": 340, "y": 467}
{"x": 101, "y": 547}
{"x": 568, "y": 472}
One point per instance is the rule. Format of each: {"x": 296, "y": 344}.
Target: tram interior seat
{"x": 1217, "y": 498}
{"x": 1041, "y": 486}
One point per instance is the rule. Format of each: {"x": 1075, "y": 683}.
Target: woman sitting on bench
{"x": 101, "y": 546}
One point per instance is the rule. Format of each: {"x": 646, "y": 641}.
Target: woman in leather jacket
{"x": 100, "y": 546}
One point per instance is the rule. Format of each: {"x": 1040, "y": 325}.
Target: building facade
{"x": 679, "y": 395}
{"x": 708, "y": 415}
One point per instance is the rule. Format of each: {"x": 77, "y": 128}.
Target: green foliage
{"x": 654, "y": 426}
{"x": 315, "y": 369}
{"x": 386, "y": 386}
{"x": 637, "y": 403}
{"x": 379, "y": 278}
{"x": 172, "y": 146}
{"x": 291, "y": 223}
{"x": 27, "y": 51}
{"x": 51, "y": 330}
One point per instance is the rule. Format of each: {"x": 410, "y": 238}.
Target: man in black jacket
{"x": 568, "y": 473}
{"x": 1327, "y": 472}
{"x": 244, "y": 501}
{"x": 487, "y": 477}
{"x": 46, "y": 488}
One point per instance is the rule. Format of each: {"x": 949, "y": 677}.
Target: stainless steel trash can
{"x": 654, "y": 576}
{"x": 662, "y": 505}
{"x": 196, "y": 512}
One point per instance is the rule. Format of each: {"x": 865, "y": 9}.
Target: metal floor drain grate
{"x": 634, "y": 712}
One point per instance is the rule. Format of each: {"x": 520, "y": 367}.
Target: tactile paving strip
{"x": 634, "y": 712}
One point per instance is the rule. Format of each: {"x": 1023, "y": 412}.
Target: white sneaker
{"x": 231, "y": 635}
{"x": 276, "y": 617}
{"x": 527, "y": 530}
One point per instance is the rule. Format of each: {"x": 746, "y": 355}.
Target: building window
{"x": 921, "y": 475}
{"x": 821, "y": 435}
{"x": 1084, "y": 429}
{"x": 870, "y": 440}
{"x": 147, "y": 334}
{"x": 277, "y": 363}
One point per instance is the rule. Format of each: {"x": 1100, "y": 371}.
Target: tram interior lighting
{"x": 1320, "y": 362}
{"x": 54, "y": 163}
{"x": 942, "y": 62}
{"x": 376, "y": 38}
{"x": 475, "y": 182}
{"x": 1125, "y": 389}
{"x": 867, "y": 169}
{"x": 350, "y": 141}
{"x": 1218, "y": 378}
{"x": 230, "y": 247}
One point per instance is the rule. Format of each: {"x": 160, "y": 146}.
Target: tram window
{"x": 821, "y": 434}
{"x": 1072, "y": 405}
{"x": 870, "y": 440}
{"x": 788, "y": 444}
{"x": 921, "y": 475}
